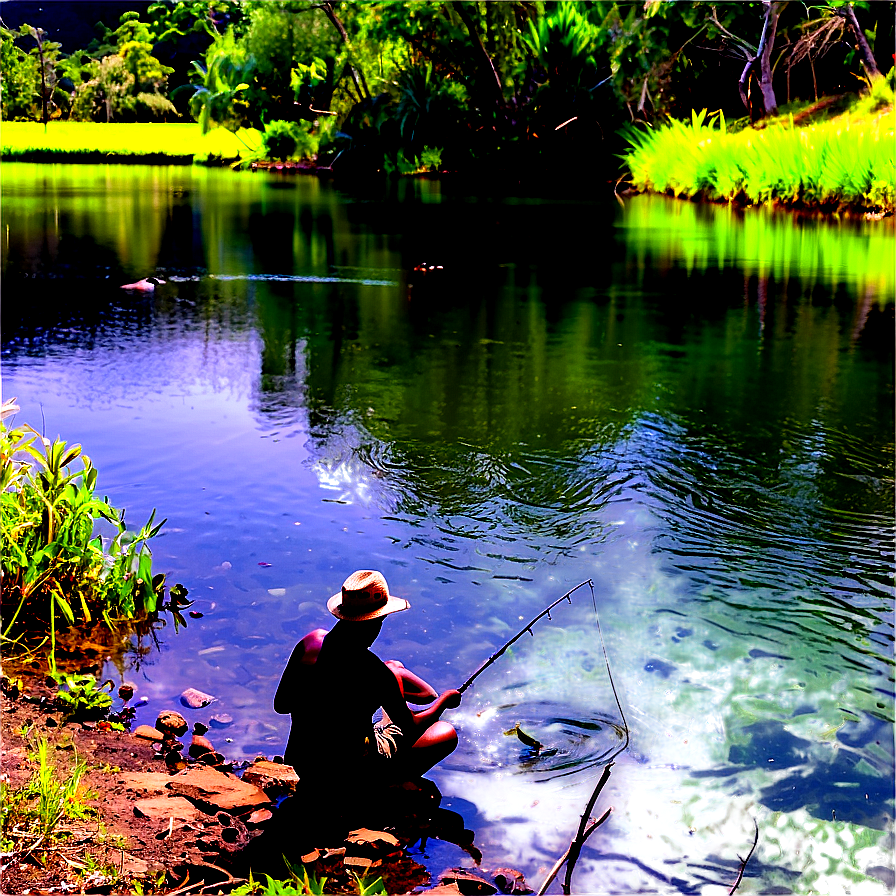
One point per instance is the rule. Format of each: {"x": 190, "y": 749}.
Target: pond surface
{"x": 689, "y": 406}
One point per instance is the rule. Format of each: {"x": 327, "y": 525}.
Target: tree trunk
{"x": 489, "y": 71}
{"x": 868, "y": 61}
{"x": 357, "y": 74}
{"x": 764, "y": 55}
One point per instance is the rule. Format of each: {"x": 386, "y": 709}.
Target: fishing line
{"x": 609, "y": 675}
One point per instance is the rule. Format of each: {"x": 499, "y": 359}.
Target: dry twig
{"x": 743, "y": 862}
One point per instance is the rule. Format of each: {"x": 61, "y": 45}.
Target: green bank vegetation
{"x": 59, "y": 569}
{"x": 845, "y": 161}
{"x": 507, "y": 88}
{"x": 171, "y": 143}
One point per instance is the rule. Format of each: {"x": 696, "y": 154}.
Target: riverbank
{"x": 134, "y": 821}
{"x": 134, "y": 144}
{"x": 813, "y": 160}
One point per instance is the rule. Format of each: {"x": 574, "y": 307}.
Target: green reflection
{"x": 764, "y": 242}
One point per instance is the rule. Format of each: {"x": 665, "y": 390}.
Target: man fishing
{"x": 333, "y": 684}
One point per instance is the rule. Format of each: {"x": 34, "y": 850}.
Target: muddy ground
{"x": 157, "y": 826}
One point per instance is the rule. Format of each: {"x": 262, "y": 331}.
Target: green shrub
{"x": 56, "y": 570}
{"x": 279, "y": 140}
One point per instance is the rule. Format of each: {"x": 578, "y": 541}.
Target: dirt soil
{"x": 116, "y": 850}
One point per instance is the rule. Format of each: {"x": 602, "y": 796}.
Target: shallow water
{"x": 689, "y": 406}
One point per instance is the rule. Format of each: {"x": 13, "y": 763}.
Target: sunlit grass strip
{"x": 68, "y": 141}
{"x": 838, "y": 162}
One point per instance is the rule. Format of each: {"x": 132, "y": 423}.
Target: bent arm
{"x": 414, "y": 724}
{"x": 413, "y": 688}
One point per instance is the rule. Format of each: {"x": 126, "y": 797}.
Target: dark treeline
{"x": 432, "y": 84}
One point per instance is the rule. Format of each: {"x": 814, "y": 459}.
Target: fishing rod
{"x": 587, "y": 825}
{"x": 526, "y": 628}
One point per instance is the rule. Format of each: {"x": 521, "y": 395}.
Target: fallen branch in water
{"x": 526, "y": 628}
{"x": 571, "y": 856}
{"x": 743, "y": 862}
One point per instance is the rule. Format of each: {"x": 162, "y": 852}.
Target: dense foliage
{"x": 380, "y": 85}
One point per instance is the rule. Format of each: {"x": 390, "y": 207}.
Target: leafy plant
{"x": 431, "y": 158}
{"x": 83, "y": 697}
{"x": 56, "y": 571}
{"x": 301, "y": 883}
{"x": 279, "y": 140}
{"x": 219, "y": 96}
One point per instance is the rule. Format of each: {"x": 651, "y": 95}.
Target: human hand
{"x": 451, "y": 698}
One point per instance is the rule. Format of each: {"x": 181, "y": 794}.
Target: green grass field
{"x": 845, "y": 161}
{"x": 75, "y": 141}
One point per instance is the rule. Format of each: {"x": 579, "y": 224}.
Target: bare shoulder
{"x": 309, "y": 647}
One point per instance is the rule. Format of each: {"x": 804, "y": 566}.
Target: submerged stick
{"x": 526, "y": 628}
{"x": 743, "y": 862}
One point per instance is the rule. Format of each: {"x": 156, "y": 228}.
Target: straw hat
{"x": 365, "y": 595}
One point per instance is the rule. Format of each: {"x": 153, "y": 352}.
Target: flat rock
{"x": 164, "y": 808}
{"x": 222, "y": 792}
{"x": 221, "y": 720}
{"x": 196, "y": 699}
{"x": 365, "y": 838}
{"x": 148, "y": 733}
{"x": 145, "y": 782}
{"x": 272, "y": 777}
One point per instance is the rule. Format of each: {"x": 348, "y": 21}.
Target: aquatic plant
{"x": 845, "y": 160}
{"x": 82, "y": 697}
{"x": 56, "y": 570}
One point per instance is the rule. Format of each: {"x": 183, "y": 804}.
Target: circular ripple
{"x": 570, "y": 743}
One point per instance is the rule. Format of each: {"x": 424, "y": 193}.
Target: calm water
{"x": 691, "y": 407}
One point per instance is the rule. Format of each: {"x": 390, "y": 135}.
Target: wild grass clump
{"x": 845, "y": 161}
{"x": 57, "y": 570}
{"x": 31, "y": 817}
{"x": 159, "y": 143}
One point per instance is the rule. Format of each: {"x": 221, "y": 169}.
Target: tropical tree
{"x": 19, "y": 76}
{"x": 219, "y": 99}
{"x": 29, "y": 76}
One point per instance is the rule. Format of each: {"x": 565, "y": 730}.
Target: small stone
{"x": 259, "y": 816}
{"x": 200, "y": 745}
{"x": 126, "y": 691}
{"x": 200, "y": 728}
{"x": 196, "y": 699}
{"x": 148, "y": 733}
{"x": 171, "y": 722}
{"x": 221, "y": 720}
